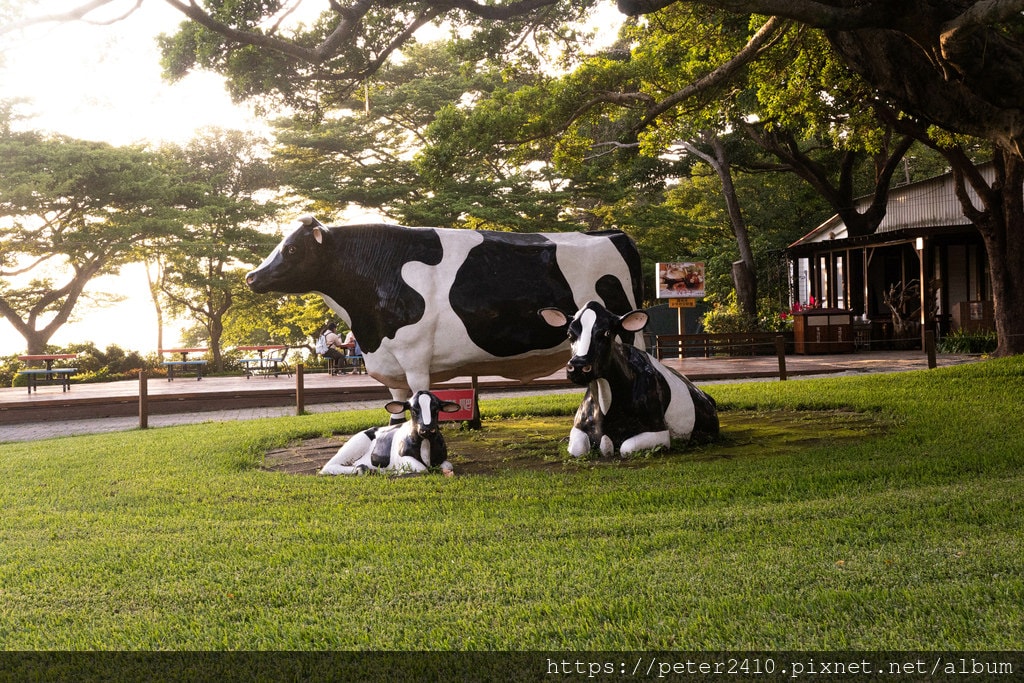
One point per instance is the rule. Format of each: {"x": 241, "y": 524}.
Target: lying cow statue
{"x": 632, "y": 401}
{"x": 430, "y": 304}
{"x": 413, "y": 446}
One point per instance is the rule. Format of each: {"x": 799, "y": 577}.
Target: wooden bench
{"x": 49, "y": 375}
{"x": 184, "y": 365}
{"x": 54, "y": 376}
{"x": 722, "y": 344}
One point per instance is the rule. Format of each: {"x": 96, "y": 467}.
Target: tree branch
{"x": 762, "y": 40}
{"x": 817, "y": 14}
{"x": 198, "y": 15}
{"x": 983, "y": 13}
{"x": 76, "y": 14}
{"x": 980, "y": 14}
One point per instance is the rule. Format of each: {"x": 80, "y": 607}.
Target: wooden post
{"x": 780, "y": 351}
{"x": 300, "y": 390}
{"x": 143, "y": 400}
{"x": 929, "y": 348}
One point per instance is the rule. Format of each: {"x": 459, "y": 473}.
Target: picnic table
{"x": 185, "y": 364}
{"x": 49, "y": 374}
{"x": 263, "y": 364}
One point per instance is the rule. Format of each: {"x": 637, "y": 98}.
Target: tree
{"x": 72, "y": 210}
{"x": 220, "y": 177}
{"x": 364, "y": 151}
{"x": 263, "y": 319}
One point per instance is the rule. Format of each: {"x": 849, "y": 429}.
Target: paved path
{"x": 700, "y": 370}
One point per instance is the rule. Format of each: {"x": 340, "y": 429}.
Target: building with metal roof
{"x": 924, "y": 245}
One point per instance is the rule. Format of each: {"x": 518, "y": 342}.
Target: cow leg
{"x": 352, "y": 450}
{"x": 358, "y": 467}
{"x": 646, "y": 441}
{"x": 579, "y": 443}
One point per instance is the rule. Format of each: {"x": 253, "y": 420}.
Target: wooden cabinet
{"x": 974, "y": 316}
{"x": 823, "y": 330}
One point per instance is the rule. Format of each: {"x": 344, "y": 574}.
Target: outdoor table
{"x": 184, "y": 365}
{"x": 49, "y": 375}
{"x": 272, "y": 365}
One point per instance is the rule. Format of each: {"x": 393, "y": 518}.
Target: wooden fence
{"x": 722, "y": 344}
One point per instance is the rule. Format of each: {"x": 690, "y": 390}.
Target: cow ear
{"x": 318, "y": 235}
{"x": 634, "y": 321}
{"x": 450, "y": 407}
{"x": 554, "y": 317}
{"x": 396, "y": 407}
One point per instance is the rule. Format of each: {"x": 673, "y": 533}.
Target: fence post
{"x": 143, "y": 400}
{"x": 929, "y": 348}
{"x": 780, "y": 351}
{"x": 300, "y": 390}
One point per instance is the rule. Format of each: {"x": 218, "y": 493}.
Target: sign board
{"x": 683, "y": 280}
{"x": 466, "y": 398}
{"x": 682, "y": 303}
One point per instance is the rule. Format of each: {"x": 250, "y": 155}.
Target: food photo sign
{"x": 680, "y": 280}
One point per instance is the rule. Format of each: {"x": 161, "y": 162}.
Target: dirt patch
{"x": 539, "y": 443}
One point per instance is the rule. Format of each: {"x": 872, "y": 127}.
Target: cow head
{"x": 423, "y": 407}
{"x": 593, "y": 333}
{"x": 293, "y": 266}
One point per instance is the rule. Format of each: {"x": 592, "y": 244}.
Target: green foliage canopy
{"x": 72, "y": 210}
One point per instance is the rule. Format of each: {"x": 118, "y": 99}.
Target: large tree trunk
{"x": 1001, "y": 224}
{"x": 744, "y": 273}
{"x": 63, "y": 299}
{"x": 1004, "y": 242}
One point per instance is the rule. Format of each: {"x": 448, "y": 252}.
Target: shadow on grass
{"x": 539, "y": 443}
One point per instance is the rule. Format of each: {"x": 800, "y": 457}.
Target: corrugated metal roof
{"x": 927, "y": 203}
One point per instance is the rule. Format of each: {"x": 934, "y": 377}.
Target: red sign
{"x": 464, "y": 397}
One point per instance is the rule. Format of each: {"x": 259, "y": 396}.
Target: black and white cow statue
{"x": 411, "y": 447}
{"x": 632, "y": 402}
{"x": 430, "y": 304}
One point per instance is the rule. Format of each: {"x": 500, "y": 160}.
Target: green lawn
{"x": 907, "y": 538}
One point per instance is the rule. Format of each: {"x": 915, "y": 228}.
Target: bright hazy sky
{"x": 103, "y": 83}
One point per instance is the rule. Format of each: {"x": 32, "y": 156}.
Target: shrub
{"x": 728, "y": 318}
{"x": 723, "y": 319}
{"x": 963, "y": 341}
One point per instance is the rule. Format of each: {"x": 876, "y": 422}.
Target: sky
{"x": 103, "y": 83}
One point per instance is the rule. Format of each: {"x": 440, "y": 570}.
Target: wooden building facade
{"x": 924, "y": 245}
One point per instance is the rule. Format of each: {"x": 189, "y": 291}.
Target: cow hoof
{"x": 362, "y": 470}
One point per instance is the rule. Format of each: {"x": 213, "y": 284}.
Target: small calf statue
{"x": 632, "y": 402}
{"x": 410, "y": 447}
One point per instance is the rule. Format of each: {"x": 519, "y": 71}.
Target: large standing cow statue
{"x": 429, "y": 304}
{"x": 632, "y": 402}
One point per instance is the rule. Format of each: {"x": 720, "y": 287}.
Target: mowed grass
{"x": 904, "y": 537}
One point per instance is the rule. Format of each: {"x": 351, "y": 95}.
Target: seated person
{"x": 330, "y": 344}
{"x": 352, "y": 345}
